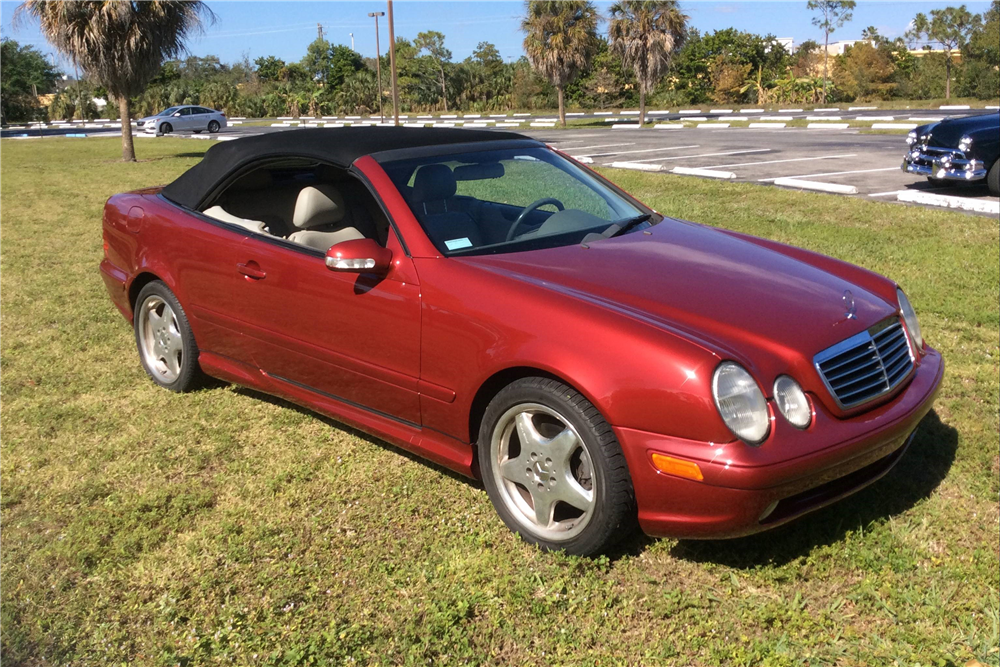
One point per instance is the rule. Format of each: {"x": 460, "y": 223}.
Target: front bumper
{"x": 946, "y": 164}
{"x": 833, "y": 458}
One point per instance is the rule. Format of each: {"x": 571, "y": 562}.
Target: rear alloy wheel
{"x": 214, "y": 126}
{"x": 993, "y": 179}
{"x": 163, "y": 337}
{"x": 554, "y": 469}
{"x": 166, "y": 128}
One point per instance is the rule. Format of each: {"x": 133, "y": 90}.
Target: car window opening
{"x": 510, "y": 200}
{"x": 315, "y": 205}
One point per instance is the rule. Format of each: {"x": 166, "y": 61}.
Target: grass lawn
{"x": 224, "y": 527}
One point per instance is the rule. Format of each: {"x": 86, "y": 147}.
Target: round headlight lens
{"x": 740, "y": 402}
{"x": 910, "y": 317}
{"x": 792, "y": 402}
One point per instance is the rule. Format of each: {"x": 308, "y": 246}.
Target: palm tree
{"x": 560, "y": 39}
{"x": 644, "y": 33}
{"x": 119, "y": 44}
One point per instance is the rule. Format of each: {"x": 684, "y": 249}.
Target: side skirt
{"x": 431, "y": 445}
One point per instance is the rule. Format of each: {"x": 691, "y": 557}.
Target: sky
{"x": 284, "y": 28}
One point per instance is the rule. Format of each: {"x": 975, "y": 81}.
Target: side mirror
{"x": 359, "y": 256}
{"x": 177, "y": 114}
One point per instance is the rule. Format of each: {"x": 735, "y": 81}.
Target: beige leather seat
{"x": 220, "y": 213}
{"x": 320, "y": 206}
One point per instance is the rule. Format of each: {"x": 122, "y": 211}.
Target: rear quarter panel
{"x": 149, "y": 237}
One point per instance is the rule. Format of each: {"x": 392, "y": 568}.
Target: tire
{"x": 993, "y": 179}
{"x": 163, "y": 338}
{"x": 573, "y": 454}
{"x": 166, "y": 128}
{"x": 214, "y": 126}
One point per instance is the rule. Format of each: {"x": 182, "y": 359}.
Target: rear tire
{"x": 163, "y": 337}
{"x": 993, "y": 179}
{"x": 214, "y": 126}
{"x": 554, "y": 470}
{"x": 166, "y": 128}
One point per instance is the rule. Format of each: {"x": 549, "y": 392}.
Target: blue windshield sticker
{"x": 457, "y": 244}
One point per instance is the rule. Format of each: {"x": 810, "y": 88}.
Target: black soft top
{"x": 339, "y": 147}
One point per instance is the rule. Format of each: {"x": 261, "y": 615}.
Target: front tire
{"x": 166, "y": 128}
{"x": 993, "y": 179}
{"x": 214, "y": 126}
{"x": 554, "y": 470}
{"x": 163, "y": 337}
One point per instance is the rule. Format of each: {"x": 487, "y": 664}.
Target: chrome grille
{"x": 867, "y": 365}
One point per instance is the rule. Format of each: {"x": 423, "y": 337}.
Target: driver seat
{"x": 433, "y": 186}
{"x": 318, "y": 217}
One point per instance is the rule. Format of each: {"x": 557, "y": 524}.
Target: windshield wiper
{"x": 626, "y": 225}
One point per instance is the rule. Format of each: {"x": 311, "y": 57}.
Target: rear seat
{"x": 220, "y": 213}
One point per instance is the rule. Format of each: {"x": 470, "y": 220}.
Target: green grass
{"x": 223, "y": 527}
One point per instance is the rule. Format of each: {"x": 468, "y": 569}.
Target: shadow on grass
{"x": 350, "y": 430}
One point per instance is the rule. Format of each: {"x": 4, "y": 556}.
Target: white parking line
{"x": 644, "y": 150}
{"x": 830, "y": 173}
{"x": 691, "y": 157}
{"x": 795, "y": 159}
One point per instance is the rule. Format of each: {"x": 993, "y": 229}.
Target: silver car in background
{"x": 183, "y": 118}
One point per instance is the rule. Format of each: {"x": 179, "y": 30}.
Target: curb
{"x": 835, "y": 188}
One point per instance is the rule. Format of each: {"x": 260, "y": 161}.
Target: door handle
{"x": 251, "y": 270}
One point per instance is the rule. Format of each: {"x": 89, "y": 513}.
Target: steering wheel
{"x": 528, "y": 209}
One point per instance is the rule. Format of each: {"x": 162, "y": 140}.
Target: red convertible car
{"x": 490, "y": 304}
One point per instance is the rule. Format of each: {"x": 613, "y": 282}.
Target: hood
{"x": 947, "y": 133}
{"x": 727, "y": 293}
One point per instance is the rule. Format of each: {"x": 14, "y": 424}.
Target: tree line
{"x": 649, "y": 56}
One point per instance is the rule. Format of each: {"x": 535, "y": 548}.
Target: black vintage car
{"x": 957, "y": 150}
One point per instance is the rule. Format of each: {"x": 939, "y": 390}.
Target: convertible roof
{"x": 340, "y": 147}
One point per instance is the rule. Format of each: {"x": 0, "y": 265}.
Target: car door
{"x": 185, "y": 119}
{"x": 352, "y": 337}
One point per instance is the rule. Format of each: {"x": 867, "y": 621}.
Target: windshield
{"x": 509, "y": 200}
{"x": 168, "y": 112}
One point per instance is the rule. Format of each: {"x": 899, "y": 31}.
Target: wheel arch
{"x": 495, "y": 383}
{"x": 141, "y": 279}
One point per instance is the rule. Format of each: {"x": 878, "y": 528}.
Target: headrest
{"x": 318, "y": 205}
{"x": 433, "y": 182}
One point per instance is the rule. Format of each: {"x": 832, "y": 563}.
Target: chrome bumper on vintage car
{"x": 947, "y": 164}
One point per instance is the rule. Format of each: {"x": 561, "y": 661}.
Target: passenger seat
{"x": 321, "y": 206}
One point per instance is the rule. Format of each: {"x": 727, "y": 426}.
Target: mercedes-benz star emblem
{"x": 851, "y": 310}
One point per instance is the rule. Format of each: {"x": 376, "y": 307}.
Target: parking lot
{"x": 864, "y": 165}
{"x": 819, "y": 149}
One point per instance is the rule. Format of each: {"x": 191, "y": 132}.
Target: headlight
{"x": 911, "y": 138}
{"x": 910, "y": 317}
{"x": 792, "y": 402}
{"x": 965, "y": 143}
{"x": 740, "y": 402}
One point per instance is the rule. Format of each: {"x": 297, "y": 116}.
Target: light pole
{"x": 378, "y": 64}
{"x": 392, "y": 66}
{"x": 352, "y": 41}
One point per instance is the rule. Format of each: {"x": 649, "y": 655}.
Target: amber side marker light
{"x": 672, "y": 466}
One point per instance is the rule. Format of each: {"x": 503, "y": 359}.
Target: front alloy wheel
{"x": 554, "y": 469}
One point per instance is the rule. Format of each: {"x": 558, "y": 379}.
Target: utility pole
{"x": 392, "y": 67}
{"x": 319, "y": 31}
{"x": 378, "y": 64}
{"x": 352, "y": 41}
